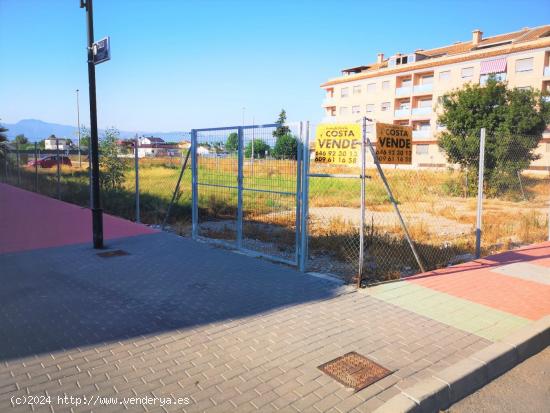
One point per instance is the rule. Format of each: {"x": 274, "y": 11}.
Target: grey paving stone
{"x": 249, "y": 337}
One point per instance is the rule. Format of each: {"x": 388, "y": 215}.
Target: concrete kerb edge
{"x": 465, "y": 377}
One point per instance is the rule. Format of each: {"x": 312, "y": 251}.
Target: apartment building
{"x": 405, "y": 88}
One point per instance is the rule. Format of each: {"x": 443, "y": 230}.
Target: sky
{"x": 182, "y": 64}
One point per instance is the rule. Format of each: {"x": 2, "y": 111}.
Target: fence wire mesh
{"x": 268, "y": 168}
{"x": 217, "y": 169}
{"x": 516, "y": 205}
{"x": 439, "y": 206}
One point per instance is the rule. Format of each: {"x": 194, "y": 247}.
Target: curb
{"x": 465, "y": 377}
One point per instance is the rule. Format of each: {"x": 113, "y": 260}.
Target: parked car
{"x": 50, "y": 161}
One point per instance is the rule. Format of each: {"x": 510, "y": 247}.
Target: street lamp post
{"x": 78, "y": 121}
{"x": 97, "y": 213}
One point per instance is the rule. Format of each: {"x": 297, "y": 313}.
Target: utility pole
{"x": 97, "y": 213}
{"x": 78, "y": 120}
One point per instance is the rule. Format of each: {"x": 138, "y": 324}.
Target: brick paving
{"x": 229, "y": 332}
{"x": 180, "y": 318}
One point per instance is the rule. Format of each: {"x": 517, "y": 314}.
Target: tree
{"x": 3, "y": 136}
{"x": 112, "y": 167}
{"x": 281, "y": 129}
{"x": 3, "y": 141}
{"x": 232, "y": 142}
{"x": 21, "y": 139}
{"x": 261, "y": 149}
{"x": 514, "y": 120}
{"x": 286, "y": 147}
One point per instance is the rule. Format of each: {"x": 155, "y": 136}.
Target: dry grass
{"x": 509, "y": 220}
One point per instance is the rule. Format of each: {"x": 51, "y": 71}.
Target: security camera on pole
{"x": 97, "y": 53}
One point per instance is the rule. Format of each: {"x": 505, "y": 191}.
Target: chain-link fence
{"x": 257, "y": 188}
{"x": 516, "y": 186}
{"x": 65, "y": 174}
{"x": 439, "y": 207}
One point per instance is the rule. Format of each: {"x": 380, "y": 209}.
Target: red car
{"x": 50, "y": 161}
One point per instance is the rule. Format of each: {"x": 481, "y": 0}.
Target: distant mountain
{"x": 36, "y": 130}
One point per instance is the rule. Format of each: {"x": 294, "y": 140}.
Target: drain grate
{"x": 354, "y": 370}
{"x": 114, "y": 253}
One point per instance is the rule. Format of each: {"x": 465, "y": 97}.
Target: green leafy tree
{"x": 261, "y": 149}
{"x": 3, "y": 141}
{"x": 232, "y": 142}
{"x": 286, "y": 147}
{"x": 21, "y": 139}
{"x": 111, "y": 165}
{"x": 3, "y": 136}
{"x": 281, "y": 129}
{"x": 514, "y": 120}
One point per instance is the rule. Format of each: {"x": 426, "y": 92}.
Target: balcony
{"x": 427, "y": 88}
{"x": 402, "y": 113}
{"x": 421, "y": 134}
{"x": 547, "y": 71}
{"x": 329, "y": 101}
{"x": 422, "y": 111}
{"x": 403, "y": 91}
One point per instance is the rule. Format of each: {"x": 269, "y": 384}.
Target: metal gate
{"x": 247, "y": 189}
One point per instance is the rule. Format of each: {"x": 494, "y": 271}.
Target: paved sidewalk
{"x": 233, "y": 333}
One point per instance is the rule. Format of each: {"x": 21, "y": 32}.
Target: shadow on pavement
{"x": 61, "y": 298}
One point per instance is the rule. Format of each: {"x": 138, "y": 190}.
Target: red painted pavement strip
{"x": 30, "y": 221}
{"x": 475, "y": 281}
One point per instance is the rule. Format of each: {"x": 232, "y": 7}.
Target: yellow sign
{"x": 394, "y": 143}
{"x": 338, "y": 144}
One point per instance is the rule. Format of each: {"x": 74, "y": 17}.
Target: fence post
{"x": 136, "y": 167}
{"x": 194, "y": 185}
{"x": 18, "y": 161}
{"x": 36, "y": 167}
{"x": 58, "y": 169}
{"x": 481, "y": 172}
{"x": 305, "y": 202}
{"x": 298, "y": 225}
{"x": 362, "y": 218}
{"x": 240, "y": 174}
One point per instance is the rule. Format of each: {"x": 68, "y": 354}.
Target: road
{"x": 524, "y": 389}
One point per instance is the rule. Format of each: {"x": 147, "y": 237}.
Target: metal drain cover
{"x": 354, "y": 370}
{"x": 114, "y": 253}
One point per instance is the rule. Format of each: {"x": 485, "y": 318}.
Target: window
{"x": 344, "y": 110}
{"x": 427, "y": 79}
{"x": 344, "y": 92}
{"x": 427, "y": 103}
{"x": 370, "y": 108}
{"x": 499, "y": 77}
{"x": 525, "y": 88}
{"x": 404, "y": 105}
{"x": 446, "y": 75}
{"x": 524, "y": 65}
{"x": 386, "y": 84}
{"x": 355, "y": 109}
{"x": 357, "y": 90}
{"x": 385, "y": 106}
{"x": 424, "y": 126}
{"x": 406, "y": 82}
{"x": 371, "y": 87}
{"x": 467, "y": 73}
{"x": 422, "y": 149}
